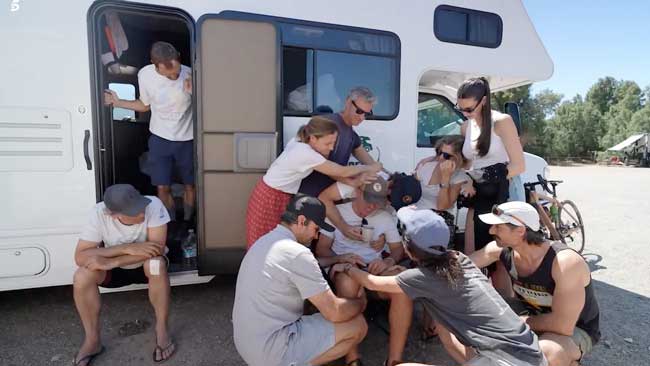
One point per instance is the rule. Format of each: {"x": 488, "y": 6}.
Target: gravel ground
{"x": 40, "y": 326}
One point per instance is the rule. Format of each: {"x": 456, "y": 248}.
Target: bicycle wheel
{"x": 570, "y": 226}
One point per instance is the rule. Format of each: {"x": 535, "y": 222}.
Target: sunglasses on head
{"x": 361, "y": 111}
{"x": 444, "y": 155}
{"x": 499, "y": 212}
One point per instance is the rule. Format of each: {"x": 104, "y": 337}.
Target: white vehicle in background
{"x": 260, "y": 69}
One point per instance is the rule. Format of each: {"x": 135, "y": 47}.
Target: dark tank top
{"x": 537, "y": 289}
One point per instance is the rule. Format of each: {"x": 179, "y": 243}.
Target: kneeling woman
{"x": 302, "y": 155}
{"x": 476, "y": 326}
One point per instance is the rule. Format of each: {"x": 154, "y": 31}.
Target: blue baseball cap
{"x": 425, "y": 229}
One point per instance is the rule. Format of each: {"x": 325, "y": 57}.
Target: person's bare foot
{"x": 164, "y": 349}
{"x": 88, "y": 350}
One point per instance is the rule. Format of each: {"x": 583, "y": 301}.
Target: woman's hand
{"x": 447, "y": 169}
{"x": 378, "y": 245}
{"x": 467, "y": 189}
{"x": 352, "y": 232}
{"x": 351, "y": 258}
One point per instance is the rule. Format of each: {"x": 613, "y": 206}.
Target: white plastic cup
{"x": 367, "y": 233}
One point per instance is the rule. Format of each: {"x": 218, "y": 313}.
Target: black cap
{"x": 405, "y": 191}
{"x": 125, "y": 199}
{"x": 310, "y": 207}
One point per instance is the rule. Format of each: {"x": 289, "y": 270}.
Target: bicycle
{"x": 561, "y": 220}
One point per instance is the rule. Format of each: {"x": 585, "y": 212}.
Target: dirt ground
{"x": 41, "y": 327}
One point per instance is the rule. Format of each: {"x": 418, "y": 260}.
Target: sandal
{"x": 162, "y": 351}
{"x": 88, "y": 358}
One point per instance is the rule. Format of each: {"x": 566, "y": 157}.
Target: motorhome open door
{"x": 238, "y": 131}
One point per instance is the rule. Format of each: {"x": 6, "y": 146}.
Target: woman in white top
{"x": 442, "y": 177}
{"x": 302, "y": 155}
{"x": 492, "y": 146}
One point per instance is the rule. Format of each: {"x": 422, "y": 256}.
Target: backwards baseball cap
{"x": 405, "y": 190}
{"x": 376, "y": 191}
{"x": 125, "y": 199}
{"x": 425, "y": 229}
{"x": 310, "y": 207}
{"x": 516, "y": 213}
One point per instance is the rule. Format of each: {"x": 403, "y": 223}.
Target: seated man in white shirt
{"x": 367, "y": 210}
{"x": 123, "y": 244}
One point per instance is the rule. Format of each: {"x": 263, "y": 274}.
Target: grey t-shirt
{"x": 474, "y": 312}
{"x": 275, "y": 277}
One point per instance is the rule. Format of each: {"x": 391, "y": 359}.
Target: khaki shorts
{"x": 582, "y": 340}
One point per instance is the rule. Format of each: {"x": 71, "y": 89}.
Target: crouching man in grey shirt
{"x": 476, "y": 326}
{"x": 277, "y": 274}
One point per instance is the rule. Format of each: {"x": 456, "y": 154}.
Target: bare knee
{"x": 84, "y": 277}
{"x": 554, "y": 351}
{"x": 155, "y": 268}
{"x": 164, "y": 190}
{"x": 346, "y": 286}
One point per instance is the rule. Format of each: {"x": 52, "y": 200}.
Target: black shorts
{"x": 119, "y": 277}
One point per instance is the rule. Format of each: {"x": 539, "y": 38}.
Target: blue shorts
{"x": 165, "y": 155}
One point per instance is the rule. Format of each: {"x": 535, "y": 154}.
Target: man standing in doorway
{"x": 358, "y": 106}
{"x": 166, "y": 91}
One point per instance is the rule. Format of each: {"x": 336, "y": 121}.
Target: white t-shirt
{"x": 429, "y": 199}
{"x": 102, "y": 227}
{"x": 381, "y": 220}
{"x": 171, "y": 106}
{"x": 295, "y": 163}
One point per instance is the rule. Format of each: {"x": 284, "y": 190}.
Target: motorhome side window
{"x": 126, "y": 92}
{"x": 436, "y": 118}
{"x": 467, "y": 26}
{"x": 320, "y": 66}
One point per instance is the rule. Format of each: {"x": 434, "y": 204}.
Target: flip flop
{"x": 89, "y": 358}
{"x": 162, "y": 351}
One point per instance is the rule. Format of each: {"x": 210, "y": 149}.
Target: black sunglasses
{"x": 361, "y": 111}
{"x": 444, "y": 155}
{"x": 499, "y": 212}
{"x": 364, "y": 222}
{"x": 467, "y": 110}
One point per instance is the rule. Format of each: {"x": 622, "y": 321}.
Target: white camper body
{"x": 60, "y": 147}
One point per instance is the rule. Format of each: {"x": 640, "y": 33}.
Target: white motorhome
{"x": 260, "y": 68}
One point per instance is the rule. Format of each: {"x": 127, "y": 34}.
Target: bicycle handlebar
{"x": 540, "y": 182}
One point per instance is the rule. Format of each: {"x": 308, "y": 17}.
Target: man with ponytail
{"x": 476, "y": 326}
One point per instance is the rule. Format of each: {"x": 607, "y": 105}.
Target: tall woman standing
{"x": 495, "y": 153}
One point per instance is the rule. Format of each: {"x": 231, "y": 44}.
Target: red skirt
{"x": 265, "y": 207}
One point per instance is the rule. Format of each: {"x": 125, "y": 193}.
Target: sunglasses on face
{"x": 468, "y": 110}
{"x": 444, "y": 155}
{"x": 361, "y": 111}
{"x": 499, "y": 212}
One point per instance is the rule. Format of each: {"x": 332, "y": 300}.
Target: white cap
{"x": 516, "y": 213}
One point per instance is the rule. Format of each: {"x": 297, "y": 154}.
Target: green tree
{"x": 577, "y": 128}
{"x": 603, "y": 94}
{"x": 640, "y": 122}
{"x": 629, "y": 100}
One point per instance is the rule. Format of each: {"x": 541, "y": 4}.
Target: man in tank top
{"x": 552, "y": 284}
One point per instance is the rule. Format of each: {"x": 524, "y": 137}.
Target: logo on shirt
{"x": 373, "y": 151}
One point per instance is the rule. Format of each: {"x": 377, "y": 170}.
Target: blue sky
{"x": 588, "y": 40}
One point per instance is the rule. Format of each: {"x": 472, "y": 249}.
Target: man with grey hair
{"x": 166, "y": 91}
{"x": 358, "y": 106}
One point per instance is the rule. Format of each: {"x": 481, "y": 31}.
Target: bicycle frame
{"x": 546, "y": 220}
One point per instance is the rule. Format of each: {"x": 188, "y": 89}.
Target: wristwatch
{"x": 444, "y": 185}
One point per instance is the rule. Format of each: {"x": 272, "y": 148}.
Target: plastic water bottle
{"x": 189, "y": 249}
{"x": 554, "y": 213}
